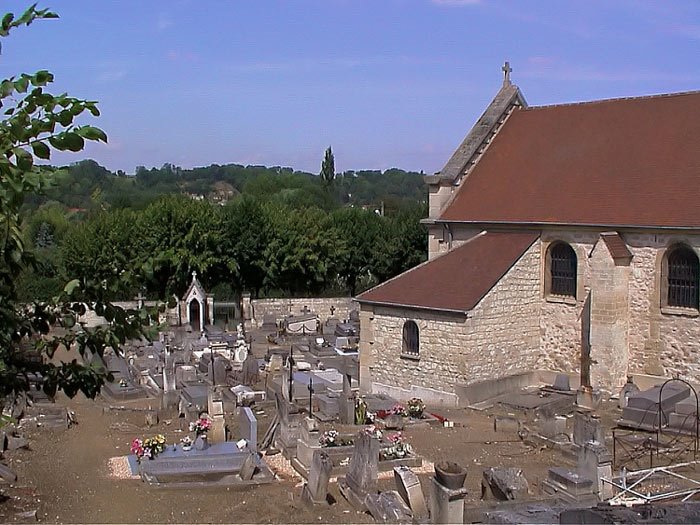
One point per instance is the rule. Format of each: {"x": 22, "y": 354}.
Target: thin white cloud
{"x": 111, "y": 76}
{"x": 163, "y": 23}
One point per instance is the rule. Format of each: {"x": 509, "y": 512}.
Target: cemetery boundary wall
{"x": 281, "y": 308}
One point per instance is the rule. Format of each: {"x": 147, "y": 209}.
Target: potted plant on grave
{"x": 415, "y": 407}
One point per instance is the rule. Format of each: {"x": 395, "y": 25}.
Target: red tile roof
{"x": 458, "y": 280}
{"x": 613, "y": 162}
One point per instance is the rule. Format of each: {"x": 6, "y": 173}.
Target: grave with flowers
{"x": 188, "y": 464}
{"x": 394, "y": 450}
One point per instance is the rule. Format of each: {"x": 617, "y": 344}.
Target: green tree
{"x": 360, "y": 229}
{"x": 328, "y": 167}
{"x": 35, "y": 123}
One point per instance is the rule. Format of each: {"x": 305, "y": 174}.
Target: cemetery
{"x": 272, "y": 412}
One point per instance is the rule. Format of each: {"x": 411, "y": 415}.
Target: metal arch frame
{"x": 662, "y": 415}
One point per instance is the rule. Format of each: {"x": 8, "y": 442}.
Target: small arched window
{"x": 683, "y": 274}
{"x": 410, "y": 339}
{"x": 562, "y": 268}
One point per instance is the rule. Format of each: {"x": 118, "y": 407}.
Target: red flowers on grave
{"x": 201, "y": 426}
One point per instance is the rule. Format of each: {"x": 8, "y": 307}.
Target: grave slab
{"x": 388, "y": 507}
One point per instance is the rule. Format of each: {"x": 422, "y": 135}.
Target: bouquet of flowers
{"x": 201, "y": 426}
{"x": 398, "y": 410}
{"x": 398, "y": 448}
{"x": 186, "y": 443}
{"x": 373, "y": 431}
{"x": 415, "y": 407}
{"x": 329, "y": 439}
{"x": 149, "y": 447}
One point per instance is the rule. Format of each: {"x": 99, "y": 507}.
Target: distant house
{"x": 537, "y": 211}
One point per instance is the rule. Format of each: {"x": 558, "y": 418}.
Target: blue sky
{"x": 386, "y": 83}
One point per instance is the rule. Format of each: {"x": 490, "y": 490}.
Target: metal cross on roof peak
{"x": 507, "y": 70}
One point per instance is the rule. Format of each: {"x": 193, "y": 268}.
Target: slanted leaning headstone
{"x": 250, "y": 466}
{"x": 409, "y": 487}
{"x": 504, "y": 484}
{"x": 248, "y": 424}
{"x": 361, "y": 478}
{"x": 315, "y": 491}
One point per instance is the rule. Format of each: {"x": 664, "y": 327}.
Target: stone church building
{"x": 546, "y": 219}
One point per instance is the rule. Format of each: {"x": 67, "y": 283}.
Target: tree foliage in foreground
{"x": 34, "y": 123}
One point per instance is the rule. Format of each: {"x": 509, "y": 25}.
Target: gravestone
{"x": 561, "y": 382}
{"x": 287, "y": 436}
{"x": 250, "y": 466}
{"x": 250, "y": 373}
{"x": 361, "y": 478}
{"x": 446, "y": 505}
{"x": 151, "y": 418}
{"x": 346, "y": 403}
{"x": 594, "y": 463}
{"x": 308, "y": 441}
{"x": 315, "y": 491}
{"x": 628, "y": 389}
{"x": 215, "y": 409}
{"x": 220, "y": 370}
{"x": 409, "y": 488}
{"x": 502, "y": 483}
{"x": 568, "y": 485}
{"x": 553, "y": 427}
{"x": 388, "y": 507}
{"x": 248, "y": 424}
{"x": 587, "y": 428}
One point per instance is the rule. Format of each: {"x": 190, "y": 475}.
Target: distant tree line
{"x": 87, "y": 186}
{"x": 284, "y": 234}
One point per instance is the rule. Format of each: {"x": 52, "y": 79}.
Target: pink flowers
{"x": 201, "y": 426}
{"x": 137, "y": 447}
{"x": 398, "y": 410}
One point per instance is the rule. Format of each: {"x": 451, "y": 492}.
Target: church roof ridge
{"x": 611, "y": 99}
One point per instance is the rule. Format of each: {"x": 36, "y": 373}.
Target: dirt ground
{"x": 65, "y": 474}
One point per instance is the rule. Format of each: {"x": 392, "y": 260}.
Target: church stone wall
{"x": 663, "y": 341}
{"x": 500, "y": 336}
